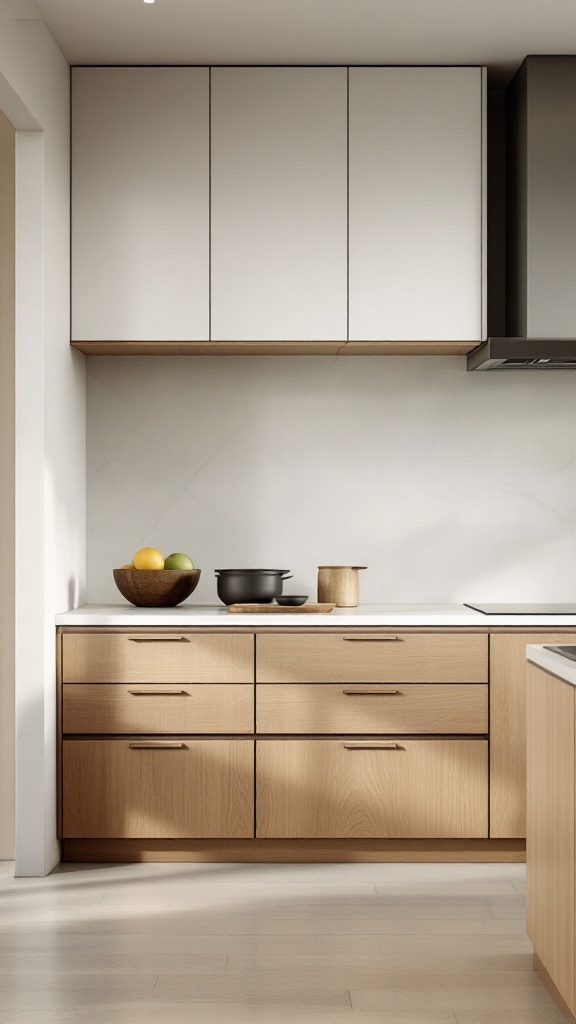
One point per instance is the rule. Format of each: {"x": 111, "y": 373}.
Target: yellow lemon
{"x": 129, "y": 565}
{"x": 148, "y": 558}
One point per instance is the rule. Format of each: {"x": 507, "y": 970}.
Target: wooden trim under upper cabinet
{"x": 275, "y": 348}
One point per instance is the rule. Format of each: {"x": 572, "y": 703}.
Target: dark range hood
{"x": 540, "y": 221}
{"x": 524, "y": 354}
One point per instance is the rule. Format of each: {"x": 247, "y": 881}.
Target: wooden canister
{"x": 339, "y": 584}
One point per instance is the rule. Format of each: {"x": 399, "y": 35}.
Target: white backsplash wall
{"x": 449, "y": 486}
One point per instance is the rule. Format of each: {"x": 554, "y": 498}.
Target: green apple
{"x": 178, "y": 561}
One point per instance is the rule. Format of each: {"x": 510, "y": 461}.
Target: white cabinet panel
{"x": 279, "y": 204}
{"x": 140, "y": 211}
{"x": 416, "y": 203}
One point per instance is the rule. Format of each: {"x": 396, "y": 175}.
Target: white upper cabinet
{"x": 140, "y": 209}
{"x": 279, "y": 204}
{"x": 416, "y": 194}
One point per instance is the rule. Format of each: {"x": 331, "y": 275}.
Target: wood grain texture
{"x": 158, "y": 708}
{"x": 59, "y": 730}
{"x": 508, "y": 728}
{"x": 339, "y": 583}
{"x": 175, "y": 657}
{"x": 423, "y": 789}
{"x": 556, "y": 995}
{"x": 383, "y": 657}
{"x": 282, "y": 851}
{"x": 161, "y": 588}
{"x": 407, "y": 708}
{"x": 550, "y": 848}
{"x": 202, "y": 790}
{"x": 274, "y": 348}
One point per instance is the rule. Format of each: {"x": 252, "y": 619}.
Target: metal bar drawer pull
{"x": 372, "y": 693}
{"x": 371, "y": 639}
{"x": 372, "y": 745}
{"x": 157, "y": 745}
{"x": 159, "y": 639}
{"x": 158, "y": 693}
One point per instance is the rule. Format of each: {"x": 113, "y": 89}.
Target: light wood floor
{"x": 269, "y": 944}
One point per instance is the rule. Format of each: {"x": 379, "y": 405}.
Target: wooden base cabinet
{"x": 158, "y": 788}
{"x": 372, "y": 788}
{"x": 550, "y": 847}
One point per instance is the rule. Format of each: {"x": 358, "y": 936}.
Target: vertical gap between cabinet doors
{"x": 254, "y": 740}
{"x": 347, "y": 204}
{"x": 209, "y": 204}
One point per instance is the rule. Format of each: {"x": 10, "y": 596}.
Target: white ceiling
{"x": 498, "y": 33}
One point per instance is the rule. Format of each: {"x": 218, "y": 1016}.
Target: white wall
{"x": 7, "y": 624}
{"x": 50, "y": 415}
{"x": 449, "y": 486}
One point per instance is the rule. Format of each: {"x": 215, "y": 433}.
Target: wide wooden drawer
{"x": 157, "y": 658}
{"x": 354, "y": 708}
{"x": 389, "y": 657}
{"x": 158, "y": 708}
{"x": 379, "y": 789}
{"x": 158, "y": 789}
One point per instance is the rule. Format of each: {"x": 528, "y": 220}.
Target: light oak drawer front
{"x": 158, "y": 708}
{"x": 373, "y": 708}
{"x": 379, "y": 789}
{"x": 158, "y": 658}
{"x": 389, "y": 657}
{"x": 158, "y": 789}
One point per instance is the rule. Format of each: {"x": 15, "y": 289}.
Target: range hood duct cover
{"x": 540, "y": 221}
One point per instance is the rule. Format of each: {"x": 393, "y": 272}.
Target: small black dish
{"x": 292, "y": 599}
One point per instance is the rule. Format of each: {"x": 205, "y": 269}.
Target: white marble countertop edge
{"x": 552, "y": 662}
{"x": 393, "y": 615}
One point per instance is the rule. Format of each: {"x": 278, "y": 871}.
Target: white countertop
{"x": 394, "y": 615}
{"x": 551, "y": 662}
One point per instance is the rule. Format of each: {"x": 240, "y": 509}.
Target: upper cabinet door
{"x": 279, "y": 224}
{"x": 416, "y": 204}
{"x": 140, "y": 187}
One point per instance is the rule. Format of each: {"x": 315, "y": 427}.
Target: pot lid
{"x": 257, "y": 572}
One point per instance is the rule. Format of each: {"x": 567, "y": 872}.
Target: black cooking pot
{"x": 250, "y": 586}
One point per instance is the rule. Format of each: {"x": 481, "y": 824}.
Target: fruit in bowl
{"x": 151, "y": 581}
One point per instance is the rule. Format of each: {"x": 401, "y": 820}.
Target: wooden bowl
{"x": 156, "y": 588}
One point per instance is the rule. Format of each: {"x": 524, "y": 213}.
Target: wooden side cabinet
{"x": 508, "y": 729}
{"x": 550, "y": 849}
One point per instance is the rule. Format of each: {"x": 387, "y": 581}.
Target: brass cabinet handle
{"x": 159, "y": 639}
{"x": 371, "y": 639}
{"x": 158, "y": 693}
{"x": 372, "y": 745}
{"x": 371, "y": 693}
{"x": 157, "y": 745}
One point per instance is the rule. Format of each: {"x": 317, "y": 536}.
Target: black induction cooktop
{"x": 523, "y": 609}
